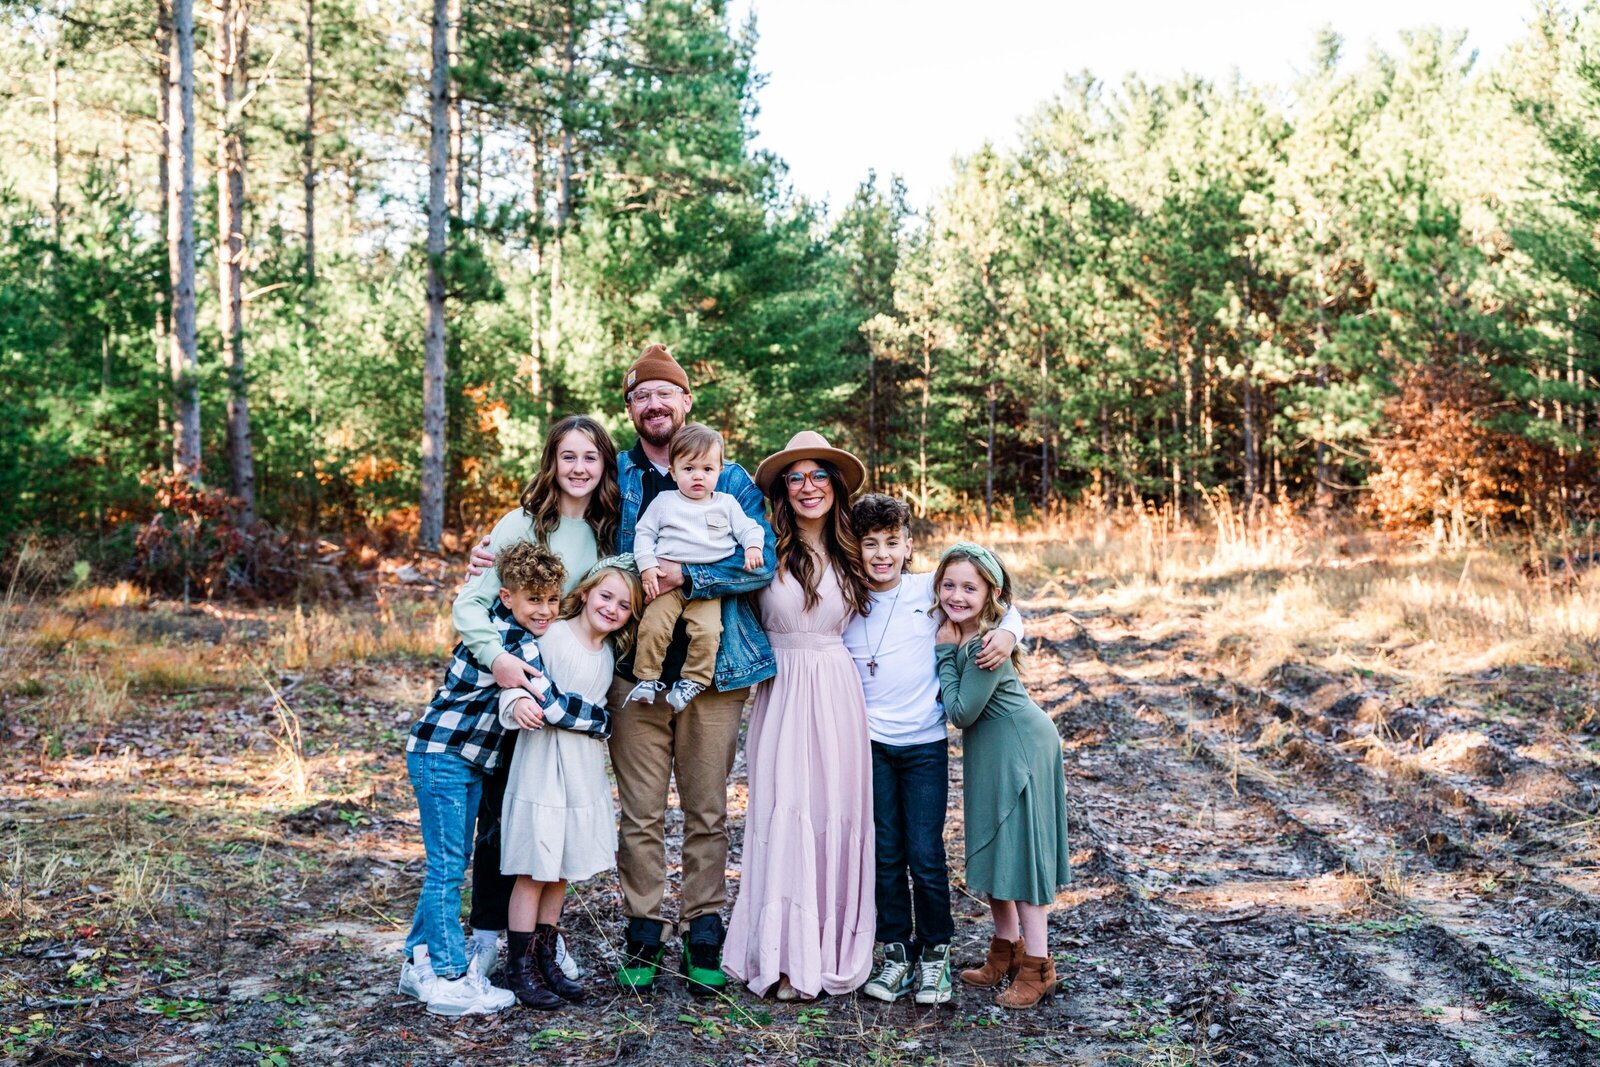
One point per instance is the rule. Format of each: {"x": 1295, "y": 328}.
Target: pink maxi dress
{"x": 805, "y": 907}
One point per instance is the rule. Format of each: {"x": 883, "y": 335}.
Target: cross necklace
{"x": 872, "y": 664}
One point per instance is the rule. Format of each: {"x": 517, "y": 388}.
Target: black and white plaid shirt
{"x": 464, "y": 715}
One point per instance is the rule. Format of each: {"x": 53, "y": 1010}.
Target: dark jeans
{"x": 910, "y": 785}
{"x": 491, "y": 890}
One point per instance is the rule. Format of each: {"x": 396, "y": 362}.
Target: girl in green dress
{"x": 1014, "y": 799}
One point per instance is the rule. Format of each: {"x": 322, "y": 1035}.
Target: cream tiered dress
{"x": 558, "y": 821}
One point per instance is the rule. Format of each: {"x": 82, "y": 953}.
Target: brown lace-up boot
{"x": 1034, "y": 980}
{"x": 1000, "y": 964}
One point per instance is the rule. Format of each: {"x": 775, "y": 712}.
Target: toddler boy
{"x": 695, "y": 524}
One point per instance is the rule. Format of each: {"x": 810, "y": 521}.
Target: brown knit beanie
{"x": 655, "y": 364}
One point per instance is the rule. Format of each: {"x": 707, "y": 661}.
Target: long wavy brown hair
{"x": 541, "y": 498}
{"x": 839, "y": 540}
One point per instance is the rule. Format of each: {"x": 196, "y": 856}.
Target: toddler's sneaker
{"x": 471, "y": 994}
{"x": 566, "y": 960}
{"x": 895, "y": 977}
{"x": 683, "y": 693}
{"x": 933, "y": 975}
{"x": 645, "y": 692}
{"x": 416, "y": 975}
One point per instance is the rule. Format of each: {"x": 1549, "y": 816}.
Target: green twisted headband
{"x": 623, "y": 561}
{"x": 987, "y": 561}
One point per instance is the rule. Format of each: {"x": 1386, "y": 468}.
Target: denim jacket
{"x": 744, "y": 656}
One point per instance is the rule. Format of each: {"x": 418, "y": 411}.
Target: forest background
{"x": 343, "y": 261}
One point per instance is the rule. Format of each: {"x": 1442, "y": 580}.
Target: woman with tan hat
{"x": 804, "y": 921}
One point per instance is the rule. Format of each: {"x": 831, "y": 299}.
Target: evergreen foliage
{"x": 1153, "y": 290}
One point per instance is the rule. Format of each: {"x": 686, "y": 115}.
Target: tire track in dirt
{"x": 1454, "y": 800}
{"x": 1442, "y": 959}
{"x": 1236, "y": 887}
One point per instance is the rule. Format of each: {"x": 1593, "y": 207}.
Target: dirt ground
{"x": 1317, "y": 869}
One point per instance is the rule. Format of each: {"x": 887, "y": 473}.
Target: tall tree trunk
{"x": 308, "y": 163}
{"x": 1252, "y": 444}
{"x": 569, "y": 67}
{"x": 988, "y": 460}
{"x": 55, "y": 148}
{"x": 1044, "y": 430}
{"x": 922, "y": 426}
{"x": 1324, "y": 491}
{"x": 308, "y": 305}
{"x": 536, "y": 382}
{"x": 431, "y": 526}
{"x": 184, "y": 359}
{"x": 164, "y": 180}
{"x": 565, "y": 165}
{"x": 872, "y": 417}
{"x": 1177, "y": 441}
{"x": 232, "y": 34}
{"x": 457, "y": 181}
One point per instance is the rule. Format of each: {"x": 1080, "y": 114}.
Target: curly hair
{"x": 529, "y": 568}
{"x": 541, "y": 497}
{"x": 875, "y": 513}
{"x": 839, "y": 541}
{"x": 998, "y": 603}
{"x": 572, "y": 604}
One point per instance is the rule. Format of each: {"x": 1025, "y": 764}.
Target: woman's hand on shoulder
{"x": 482, "y": 559}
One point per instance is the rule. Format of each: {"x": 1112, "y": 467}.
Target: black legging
{"x": 491, "y": 890}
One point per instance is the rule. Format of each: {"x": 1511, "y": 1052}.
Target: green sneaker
{"x": 933, "y": 975}
{"x": 641, "y": 962}
{"x": 895, "y": 977}
{"x": 702, "y": 957}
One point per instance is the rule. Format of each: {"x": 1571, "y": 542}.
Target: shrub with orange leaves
{"x": 195, "y": 545}
{"x": 1445, "y": 465}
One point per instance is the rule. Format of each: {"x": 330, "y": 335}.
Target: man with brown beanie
{"x": 650, "y": 744}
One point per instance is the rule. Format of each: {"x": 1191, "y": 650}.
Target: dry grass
{"x": 1268, "y": 587}
{"x": 323, "y": 637}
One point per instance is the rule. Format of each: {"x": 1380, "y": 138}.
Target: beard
{"x": 658, "y": 440}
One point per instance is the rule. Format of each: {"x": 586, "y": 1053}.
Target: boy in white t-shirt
{"x": 893, "y": 649}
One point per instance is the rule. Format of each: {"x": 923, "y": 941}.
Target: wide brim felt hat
{"x": 809, "y": 444}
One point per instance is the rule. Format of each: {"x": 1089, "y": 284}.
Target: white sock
{"x": 488, "y": 941}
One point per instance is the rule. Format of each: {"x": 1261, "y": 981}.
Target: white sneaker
{"x": 416, "y": 975}
{"x": 495, "y": 996}
{"x": 471, "y": 994}
{"x": 566, "y": 960}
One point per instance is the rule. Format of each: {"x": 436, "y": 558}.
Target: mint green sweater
{"x": 573, "y": 541}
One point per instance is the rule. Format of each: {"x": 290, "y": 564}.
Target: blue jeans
{"x": 448, "y": 789}
{"x": 910, "y": 786}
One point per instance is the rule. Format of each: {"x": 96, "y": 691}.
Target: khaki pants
{"x": 704, "y": 621}
{"x": 648, "y": 745}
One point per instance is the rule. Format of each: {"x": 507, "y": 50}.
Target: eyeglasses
{"x": 796, "y": 479}
{"x": 641, "y": 397}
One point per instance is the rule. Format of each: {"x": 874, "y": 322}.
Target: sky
{"x": 901, "y": 86}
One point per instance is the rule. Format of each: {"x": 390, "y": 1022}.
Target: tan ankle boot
{"x": 1000, "y": 965}
{"x": 1035, "y": 979}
